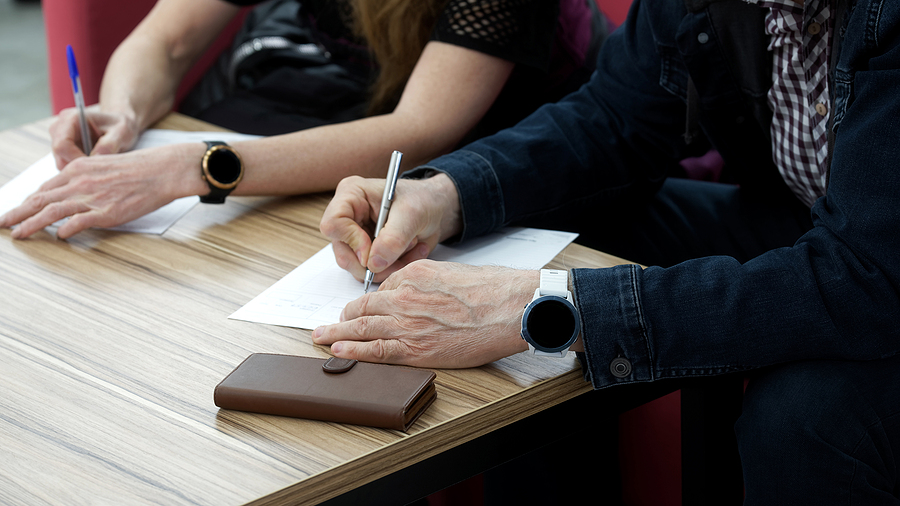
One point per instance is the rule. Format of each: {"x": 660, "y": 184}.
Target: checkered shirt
{"x": 799, "y": 95}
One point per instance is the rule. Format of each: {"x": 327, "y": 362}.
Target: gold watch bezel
{"x": 204, "y": 164}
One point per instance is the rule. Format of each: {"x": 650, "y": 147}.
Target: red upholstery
{"x": 94, "y": 28}
{"x": 615, "y": 10}
{"x": 650, "y": 453}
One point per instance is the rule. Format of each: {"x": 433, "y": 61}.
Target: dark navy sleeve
{"x": 835, "y": 294}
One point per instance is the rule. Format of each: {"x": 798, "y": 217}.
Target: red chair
{"x": 94, "y": 28}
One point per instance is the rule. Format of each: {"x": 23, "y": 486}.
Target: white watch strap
{"x": 554, "y": 282}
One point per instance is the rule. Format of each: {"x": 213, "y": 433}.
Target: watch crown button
{"x": 620, "y": 367}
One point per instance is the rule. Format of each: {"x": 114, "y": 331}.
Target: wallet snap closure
{"x": 336, "y": 365}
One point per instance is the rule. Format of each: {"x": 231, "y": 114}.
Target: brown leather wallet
{"x": 335, "y": 390}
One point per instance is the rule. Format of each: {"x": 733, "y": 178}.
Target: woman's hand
{"x": 109, "y": 190}
{"x": 110, "y": 133}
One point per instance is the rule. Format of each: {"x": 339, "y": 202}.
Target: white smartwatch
{"x": 550, "y": 324}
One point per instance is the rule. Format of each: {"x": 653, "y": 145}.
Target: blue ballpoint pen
{"x": 390, "y": 185}
{"x": 79, "y": 101}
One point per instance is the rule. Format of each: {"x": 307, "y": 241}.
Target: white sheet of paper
{"x": 20, "y": 187}
{"x": 314, "y": 293}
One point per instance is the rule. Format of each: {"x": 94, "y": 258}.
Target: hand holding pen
{"x": 423, "y": 212}
{"x": 390, "y": 187}
{"x": 79, "y": 101}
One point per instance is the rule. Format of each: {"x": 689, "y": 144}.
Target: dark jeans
{"x": 818, "y": 432}
{"x": 822, "y": 433}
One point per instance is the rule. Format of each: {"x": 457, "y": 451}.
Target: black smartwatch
{"x": 550, "y": 324}
{"x": 222, "y": 169}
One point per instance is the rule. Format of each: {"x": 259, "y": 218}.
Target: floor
{"x": 24, "y": 91}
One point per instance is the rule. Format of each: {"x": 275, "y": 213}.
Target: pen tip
{"x": 70, "y": 59}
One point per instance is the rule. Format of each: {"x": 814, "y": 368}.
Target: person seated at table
{"x": 790, "y": 276}
{"x": 441, "y": 72}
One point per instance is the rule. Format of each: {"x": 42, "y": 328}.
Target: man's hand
{"x": 424, "y": 212}
{"x": 108, "y": 190}
{"x": 110, "y": 133}
{"x": 436, "y": 314}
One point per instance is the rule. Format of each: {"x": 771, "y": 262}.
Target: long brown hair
{"x": 396, "y": 32}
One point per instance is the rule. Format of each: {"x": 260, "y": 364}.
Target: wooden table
{"x": 111, "y": 345}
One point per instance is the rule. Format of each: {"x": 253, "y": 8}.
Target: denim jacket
{"x": 835, "y": 294}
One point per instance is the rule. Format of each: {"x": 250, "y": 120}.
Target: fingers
{"x": 366, "y": 338}
{"x": 347, "y": 221}
{"x": 397, "y": 238}
{"x": 118, "y": 138}
{"x": 416, "y": 252}
{"x": 412, "y": 229}
{"x": 111, "y": 133}
{"x": 43, "y": 208}
{"x": 47, "y": 216}
{"x": 65, "y": 136}
{"x": 78, "y": 223}
{"x": 346, "y": 215}
{"x": 384, "y": 351}
{"x": 363, "y": 319}
{"x": 346, "y": 259}
{"x": 29, "y": 207}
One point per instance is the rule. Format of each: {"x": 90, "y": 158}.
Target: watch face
{"x": 551, "y": 322}
{"x": 224, "y": 167}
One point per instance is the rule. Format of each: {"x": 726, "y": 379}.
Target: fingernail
{"x": 377, "y": 262}
{"x": 341, "y": 318}
{"x": 337, "y": 347}
{"x": 318, "y": 332}
{"x": 423, "y": 250}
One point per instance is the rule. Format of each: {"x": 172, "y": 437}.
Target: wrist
{"x": 127, "y": 115}
{"x": 551, "y": 324}
{"x": 185, "y": 159}
{"x": 447, "y": 198}
{"x": 578, "y": 345}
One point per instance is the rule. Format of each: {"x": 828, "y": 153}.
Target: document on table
{"x": 316, "y": 292}
{"x": 20, "y": 187}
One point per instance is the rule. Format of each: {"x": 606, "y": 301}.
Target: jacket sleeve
{"x": 835, "y": 294}
{"x": 589, "y": 153}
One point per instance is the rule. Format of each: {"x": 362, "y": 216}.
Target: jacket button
{"x": 620, "y": 367}
{"x": 703, "y": 38}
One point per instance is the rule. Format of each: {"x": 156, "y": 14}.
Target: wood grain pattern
{"x": 111, "y": 345}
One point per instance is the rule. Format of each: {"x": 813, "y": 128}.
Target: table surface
{"x": 111, "y": 344}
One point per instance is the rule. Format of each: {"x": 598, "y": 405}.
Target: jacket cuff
{"x": 614, "y": 330}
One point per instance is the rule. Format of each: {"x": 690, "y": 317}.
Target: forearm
{"x": 439, "y": 106}
{"x": 145, "y": 70}
{"x": 318, "y": 159}
{"x": 143, "y": 93}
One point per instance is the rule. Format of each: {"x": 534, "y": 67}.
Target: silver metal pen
{"x": 390, "y": 185}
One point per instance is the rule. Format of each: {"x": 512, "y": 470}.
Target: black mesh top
{"x": 552, "y": 42}
{"x": 520, "y": 31}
